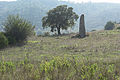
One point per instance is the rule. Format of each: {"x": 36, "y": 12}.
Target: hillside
{"x": 96, "y": 14}
{"x": 98, "y": 43}
{"x": 64, "y": 57}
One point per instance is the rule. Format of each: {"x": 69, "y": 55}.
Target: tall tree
{"x": 61, "y": 17}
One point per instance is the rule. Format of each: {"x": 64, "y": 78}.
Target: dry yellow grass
{"x": 64, "y": 58}
{"x": 99, "y": 43}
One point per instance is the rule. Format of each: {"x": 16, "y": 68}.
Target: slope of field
{"x": 96, "y": 57}
{"x": 98, "y": 43}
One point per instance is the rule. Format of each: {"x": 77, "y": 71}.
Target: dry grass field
{"x": 96, "y": 57}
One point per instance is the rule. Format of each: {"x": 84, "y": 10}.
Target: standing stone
{"x": 82, "y": 31}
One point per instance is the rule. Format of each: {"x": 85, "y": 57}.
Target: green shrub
{"x": 3, "y": 41}
{"x": 109, "y": 26}
{"x": 118, "y": 27}
{"x": 11, "y": 40}
{"x": 17, "y": 29}
{"x": 46, "y": 34}
{"x": 93, "y": 30}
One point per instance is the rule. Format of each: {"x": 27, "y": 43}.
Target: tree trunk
{"x": 58, "y": 29}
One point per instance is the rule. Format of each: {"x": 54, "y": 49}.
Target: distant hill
{"x": 96, "y": 14}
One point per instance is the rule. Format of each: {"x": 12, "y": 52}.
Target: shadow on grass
{"x": 78, "y": 36}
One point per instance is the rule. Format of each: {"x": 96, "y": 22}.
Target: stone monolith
{"x": 82, "y": 31}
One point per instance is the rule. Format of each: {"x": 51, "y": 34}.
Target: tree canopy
{"x": 61, "y": 17}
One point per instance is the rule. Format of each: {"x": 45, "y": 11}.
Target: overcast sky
{"x": 7, "y": 0}
{"x": 111, "y": 1}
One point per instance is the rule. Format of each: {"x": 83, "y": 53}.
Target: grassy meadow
{"x": 96, "y": 57}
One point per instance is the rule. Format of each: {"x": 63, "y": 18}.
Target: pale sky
{"x": 7, "y": 0}
{"x": 110, "y": 1}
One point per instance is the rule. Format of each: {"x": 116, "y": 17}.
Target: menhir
{"x": 82, "y": 31}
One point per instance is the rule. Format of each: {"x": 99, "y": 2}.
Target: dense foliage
{"x": 109, "y": 26}
{"x": 61, "y": 17}
{"x": 3, "y": 41}
{"x": 17, "y": 29}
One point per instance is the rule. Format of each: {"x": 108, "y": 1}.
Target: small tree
{"x": 17, "y": 29}
{"x": 61, "y": 17}
{"x": 109, "y": 26}
{"x": 3, "y": 41}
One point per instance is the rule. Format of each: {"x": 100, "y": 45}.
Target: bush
{"x": 93, "y": 30}
{"x": 46, "y": 34}
{"x": 118, "y": 27}
{"x": 109, "y": 26}
{"x": 11, "y": 40}
{"x": 3, "y": 41}
{"x": 17, "y": 29}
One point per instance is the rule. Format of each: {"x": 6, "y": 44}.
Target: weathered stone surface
{"x": 82, "y": 31}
